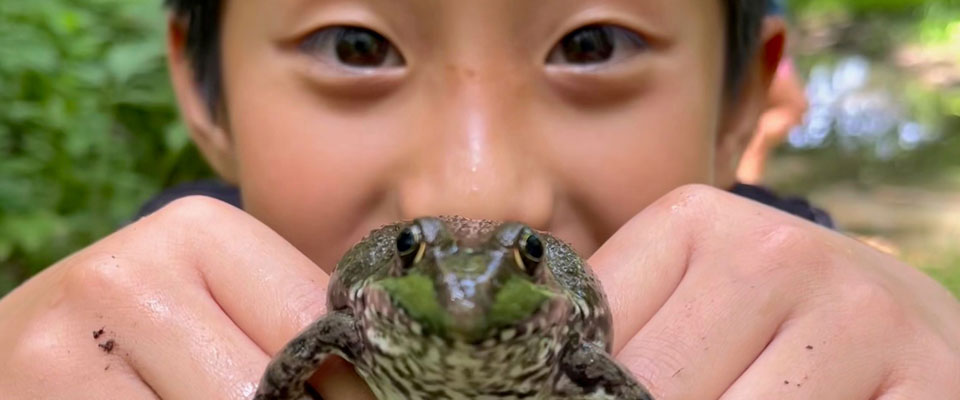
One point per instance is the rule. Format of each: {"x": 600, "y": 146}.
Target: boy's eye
{"x": 353, "y": 47}
{"x": 595, "y": 44}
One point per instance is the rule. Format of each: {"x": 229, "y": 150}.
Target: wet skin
{"x": 451, "y": 308}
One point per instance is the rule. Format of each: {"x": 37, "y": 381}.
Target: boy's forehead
{"x": 652, "y": 11}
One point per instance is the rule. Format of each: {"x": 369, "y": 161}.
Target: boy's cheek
{"x": 614, "y": 164}
{"x": 311, "y": 179}
{"x": 317, "y": 211}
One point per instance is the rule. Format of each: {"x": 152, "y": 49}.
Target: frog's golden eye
{"x": 410, "y": 245}
{"x": 529, "y": 250}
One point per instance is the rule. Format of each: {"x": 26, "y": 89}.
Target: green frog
{"x": 453, "y": 308}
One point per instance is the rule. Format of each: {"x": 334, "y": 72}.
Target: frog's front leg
{"x": 593, "y": 373}
{"x": 286, "y": 376}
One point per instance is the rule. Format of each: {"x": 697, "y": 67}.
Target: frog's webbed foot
{"x": 594, "y": 373}
{"x": 286, "y": 376}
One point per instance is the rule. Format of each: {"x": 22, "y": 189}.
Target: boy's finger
{"x": 692, "y": 320}
{"x": 705, "y": 336}
{"x": 113, "y": 337}
{"x": 199, "y": 295}
{"x": 266, "y": 286}
{"x": 336, "y": 379}
{"x": 643, "y": 263}
{"x": 184, "y": 347}
{"x": 56, "y": 357}
{"x": 798, "y": 365}
{"x": 104, "y": 386}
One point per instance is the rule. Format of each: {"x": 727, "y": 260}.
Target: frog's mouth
{"x": 414, "y": 300}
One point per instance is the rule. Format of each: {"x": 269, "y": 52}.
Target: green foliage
{"x": 947, "y": 272}
{"x": 88, "y": 126}
{"x": 870, "y": 6}
{"x": 940, "y": 25}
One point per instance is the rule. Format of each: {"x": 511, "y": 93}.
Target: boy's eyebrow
{"x": 300, "y": 8}
{"x": 299, "y": 15}
{"x": 655, "y": 17}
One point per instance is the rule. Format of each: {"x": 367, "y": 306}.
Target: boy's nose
{"x": 478, "y": 156}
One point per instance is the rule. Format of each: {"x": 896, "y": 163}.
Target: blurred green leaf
{"x": 30, "y": 231}
{"x": 88, "y": 126}
{"x": 126, "y": 60}
{"x": 176, "y": 138}
{"x": 6, "y": 249}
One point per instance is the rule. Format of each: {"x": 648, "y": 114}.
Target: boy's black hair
{"x": 202, "y": 19}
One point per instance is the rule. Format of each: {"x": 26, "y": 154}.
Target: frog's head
{"x": 467, "y": 280}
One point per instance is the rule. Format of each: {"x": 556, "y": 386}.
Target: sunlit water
{"x": 854, "y": 110}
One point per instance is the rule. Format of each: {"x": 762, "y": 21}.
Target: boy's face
{"x": 569, "y": 115}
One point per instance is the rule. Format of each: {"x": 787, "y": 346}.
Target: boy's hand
{"x": 715, "y": 296}
{"x": 191, "y": 301}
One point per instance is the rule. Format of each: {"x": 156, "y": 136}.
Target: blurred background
{"x": 89, "y": 131}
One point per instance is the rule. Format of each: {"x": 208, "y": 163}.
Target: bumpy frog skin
{"x": 451, "y": 308}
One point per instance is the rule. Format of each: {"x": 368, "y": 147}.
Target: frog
{"x": 456, "y": 308}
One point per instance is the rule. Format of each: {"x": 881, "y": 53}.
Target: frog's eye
{"x": 410, "y": 245}
{"x": 529, "y": 250}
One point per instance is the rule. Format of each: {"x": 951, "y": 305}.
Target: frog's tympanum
{"x": 450, "y": 308}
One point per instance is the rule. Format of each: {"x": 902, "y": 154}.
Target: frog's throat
{"x": 416, "y": 294}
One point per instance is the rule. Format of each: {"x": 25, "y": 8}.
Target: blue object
{"x": 775, "y": 7}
